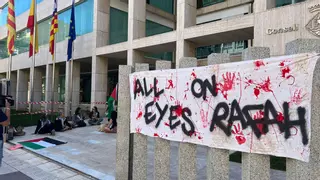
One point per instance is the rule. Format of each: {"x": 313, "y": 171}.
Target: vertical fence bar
{"x": 187, "y": 151}
{"x": 162, "y": 146}
{"x": 123, "y": 129}
{"x": 140, "y": 144}
{"x": 255, "y": 166}
{"x": 298, "y": 169}
{"x": 218, "y": 159}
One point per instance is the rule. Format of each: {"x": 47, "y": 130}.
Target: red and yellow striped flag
{"x": 11, "y": 24}
{"x": 32, "y": 25}
{"x": 53, "y": 29}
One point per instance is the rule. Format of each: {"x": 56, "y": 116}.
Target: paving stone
{"x": 78, "y": 177}
{"x": 49, "y": 166}
{"x": 6, "y": 169}
{"x": 27, "y": 156}
{"x": 36, "y": 161}
{"x": 63, "y": 173}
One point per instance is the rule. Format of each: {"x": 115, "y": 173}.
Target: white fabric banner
{"x": 261, "y": 106}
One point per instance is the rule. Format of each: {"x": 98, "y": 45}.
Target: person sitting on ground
{"x": 112, "y": 127}
{"x": 77, "y": 119}
{"x": 61, "y": 123}
{"x": 95, "y": 117}
{"x": 45, "y": 126}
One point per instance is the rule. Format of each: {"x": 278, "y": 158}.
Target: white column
{"x": 49, "y": 89}
{"x": 186, "y": 17}
{"x": 22, "y": 89}
{"x": 76, "y": 87}
{"x": 136, "y": 29}
{"x": 37, "y": 89}
{"x": 99, "y": 83}
{"x": 101, "y": 22}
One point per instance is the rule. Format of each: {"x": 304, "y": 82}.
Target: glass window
{"x": 118, "y": 26}
{"x": 44, "y": 32}
{"x": 234, "y": 47}
{"x": 22, "y": 42}
{"x": 153, "y": 28}
{"x": 62, "y": 88}
{"x": 280, "y": 3}
{"x": 204, "y": 3}
{"x": 165, "y": 5}
{"x": 84, "y": 20}
{"x": 21, "y": 6}
{"x": 3, "y": 49}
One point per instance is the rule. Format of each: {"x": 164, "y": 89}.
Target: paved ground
{"x": 94, "y": 153}
{"x": 23, "y": 165}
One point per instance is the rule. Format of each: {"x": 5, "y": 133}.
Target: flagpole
{"x": 53, "y": 76}
{"x": 33, "y": 57}
{"x": 9, "y": 67}
{"x": 71, "y": 80}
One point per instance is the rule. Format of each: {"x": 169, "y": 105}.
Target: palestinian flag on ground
{"x": 112, "y": 99}
{"x": 41, "y": 143}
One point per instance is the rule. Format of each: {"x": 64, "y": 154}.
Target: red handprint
{"x": 297, "y": 97}
{"x": 170, "y": 84}
{"x": 228, "y": 83}
{"x": 238, "y": 134}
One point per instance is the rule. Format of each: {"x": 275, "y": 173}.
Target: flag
{"x": 32, "y": 25}
{"x": 72, "y": 32}
{"x": 41, "y": 143}
{"x": 53, "y": 29}
{"x": 11, "y": 24}
{"x": 111, "y": 101}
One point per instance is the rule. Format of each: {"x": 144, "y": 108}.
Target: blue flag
{"x": 72, "y": 32}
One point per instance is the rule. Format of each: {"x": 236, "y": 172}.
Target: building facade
{"x": 119, "y": 32}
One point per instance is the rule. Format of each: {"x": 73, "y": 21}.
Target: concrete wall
{"x": 283, "y": 17}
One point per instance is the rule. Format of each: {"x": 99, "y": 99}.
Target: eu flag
{"x": 72, "y": 32}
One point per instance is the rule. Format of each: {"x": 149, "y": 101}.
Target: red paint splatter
{"x": 241, "y": 139}
{"x": 167, "y": 124}
{"x": 258, "y": 116}
{"x": 238, "y": 134}
{"x": 280, "y": 117}
{"x": 138, "y": 130}
{"x": 155, "y": 99}
{"x": 155, "y": 135}
{"x": 297, "y": 97}
{"x": 285, "y": 71}
{"x": 170, "y": 84}
{"x": 266, "y": 85}
{"x": 281, "y": 63}
{"x": 204, "y": 118}
{"x": 193, "y": 75}
{"x": 228, "y": 84}
{"x": 139, "y": 115}
{"x": 178, "y": 111}
{"x": 258, "y": 64}
{"x": 256, "y": 92}
{"x": 200, "y": 137}
{"x": 171, "y": 98}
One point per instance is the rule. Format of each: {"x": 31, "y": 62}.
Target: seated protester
{"x": 77, "y": 119}
{"x": 61, "y": 123}
{"x": 94, "y": 117}
{"x": 45, "y": 126}
{"x": 112, "y": 127}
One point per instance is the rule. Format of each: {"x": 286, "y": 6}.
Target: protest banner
{"x": 261, "y": 106}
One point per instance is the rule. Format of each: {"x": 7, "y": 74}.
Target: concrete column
{"x": 101, "y": 22}
{"x": 218, "y": 159}
{"x": 99, "y": 81}
{"x": 186, "y": 17}
{"x": 22, "y": 89}
{"x": 255, "y": 166}
{"x": 298, "y": 169}
{"x": 76, "y": 86}
{"x": 162, "y": 146}
{"x": 140, "y": 145}
{"x": 187, "y": 151}
{"x": 13, "y": 85}
{"x": 136, "y": 20}
{"x": 134, "y": 56}
{"x": 75, "y": 80}
{"x": 37, "y": 88}
{"x": 123, "y": 129}
{"x": 49, "y": 88}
